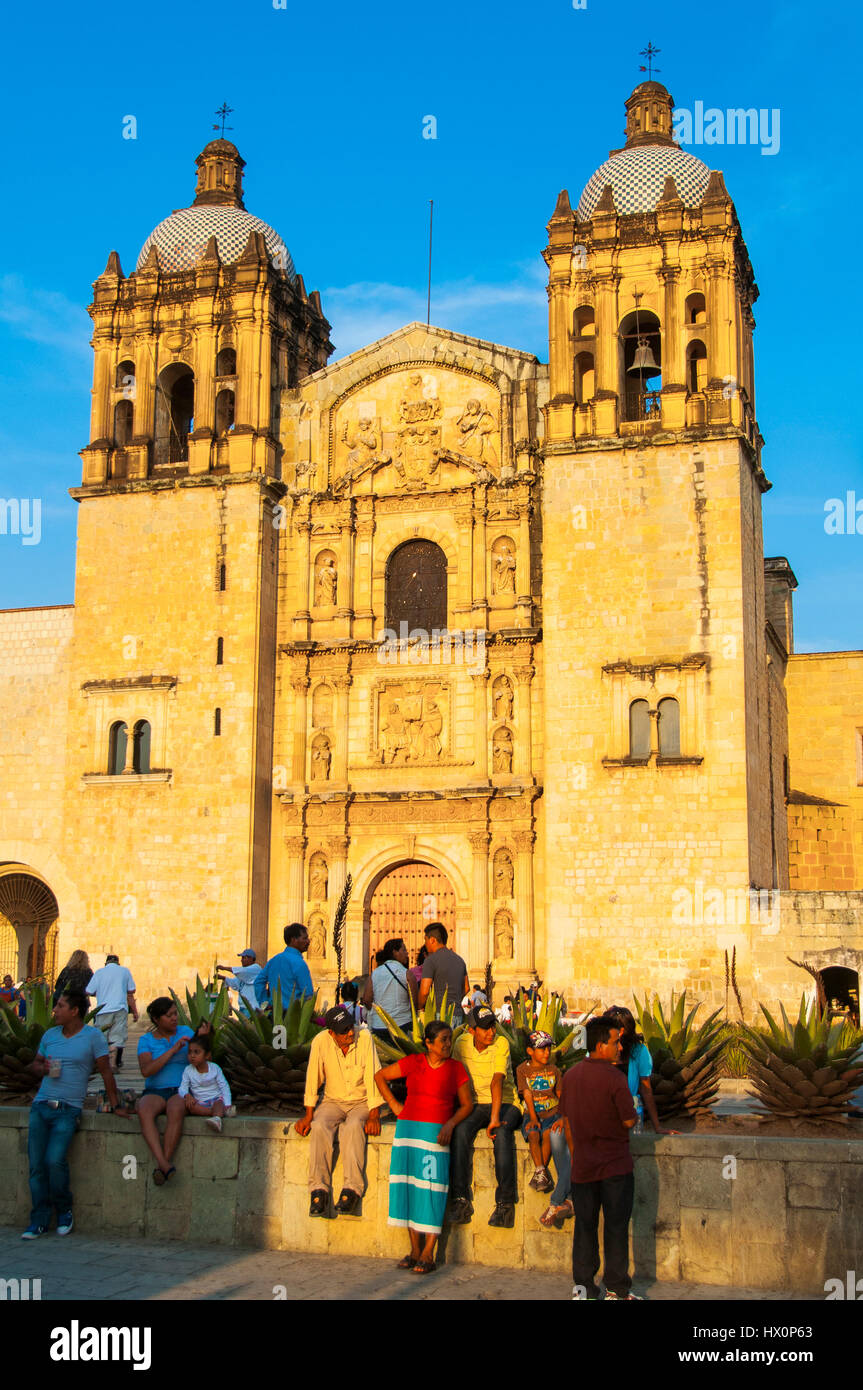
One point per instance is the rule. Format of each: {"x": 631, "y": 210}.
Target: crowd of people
{"x": 442, "y": 1097}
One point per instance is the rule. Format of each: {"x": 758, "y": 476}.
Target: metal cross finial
{"x": 649, "y": 53}
{"x": 223, "y": 113}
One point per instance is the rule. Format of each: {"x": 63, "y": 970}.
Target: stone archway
{"x": 403, "y": 900}
{"x": 28, "y": 925}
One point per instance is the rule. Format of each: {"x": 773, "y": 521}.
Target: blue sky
{"x": 329, "y": 105}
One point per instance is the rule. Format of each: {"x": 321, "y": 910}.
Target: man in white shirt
{"x": 114, "y": 991}
{"x": 243, "y": 979}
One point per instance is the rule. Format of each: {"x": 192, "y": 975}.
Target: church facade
{"x": 496, "y": 638}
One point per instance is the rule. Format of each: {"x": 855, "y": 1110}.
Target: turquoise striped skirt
{"x": 419, "y": 1177}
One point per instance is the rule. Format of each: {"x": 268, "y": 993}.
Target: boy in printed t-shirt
{"x": 544, "y": 1128}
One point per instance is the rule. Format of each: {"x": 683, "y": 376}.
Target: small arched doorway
{"x": 28, "y": 926}
{"x": 403, "y": 902}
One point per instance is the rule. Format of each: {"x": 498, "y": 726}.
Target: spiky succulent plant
{"x": 403, "y": 1042}
{"x": 206, "y": 1005}
{"x": 20, "y": 1039}
{"x": 807, "y": 1070}
{"x": 527, "y": 1018}
{"x": 685, "y": 1058}
{"x": 265, "y": 1055}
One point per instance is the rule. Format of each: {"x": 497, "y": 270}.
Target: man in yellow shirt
{"x": 486, "y": 1057}
{"x": 343, "y": 1061}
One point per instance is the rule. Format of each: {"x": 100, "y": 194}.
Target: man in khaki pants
{"x": 343, "y": 1060}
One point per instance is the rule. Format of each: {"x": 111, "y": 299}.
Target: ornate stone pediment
{"x": 417, "y": 429}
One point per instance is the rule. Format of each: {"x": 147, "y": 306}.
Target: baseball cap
{"x": 248, "y": 952}
{"x": 540, "y": 1039}
{"x": 338, "y": 1020}
{"x": 482, "y": 1017}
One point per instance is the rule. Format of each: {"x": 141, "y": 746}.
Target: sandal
{"x": 424, "y": 1267}
{"x": 407, "y": 1263}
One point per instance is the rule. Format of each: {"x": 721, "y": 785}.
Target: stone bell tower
{"x": 171, "y": 714}
{"x": 663, "y": 692}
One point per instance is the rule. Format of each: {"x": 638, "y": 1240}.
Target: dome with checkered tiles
{"x": 182, "y": 238}
{"x": 637, "y": 176}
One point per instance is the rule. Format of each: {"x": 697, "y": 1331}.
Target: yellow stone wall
{"x": 165, "y": 862}
{"x": 825, "y": 711}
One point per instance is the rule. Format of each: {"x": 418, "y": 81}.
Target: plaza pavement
{"x": 83, "y": 1267}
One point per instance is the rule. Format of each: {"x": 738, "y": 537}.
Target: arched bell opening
{"x": 640, "y": 339}
{"x": 696, "y": 366}
{"x": 585, "y": 377}
{"x": 175, "y": 414}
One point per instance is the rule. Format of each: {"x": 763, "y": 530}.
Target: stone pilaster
{"x": 523, "y": 742}
{"x": 480, "y": 726}
{"x": 524, "y": 931}
{"x": 300, "y": 687}
{"x": 480, "y": 943}
{"x": 295, "y": 845}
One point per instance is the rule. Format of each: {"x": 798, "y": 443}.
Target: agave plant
{"x": 205, "y": 1006}
{"x": 806, "y": 1070}
{"x": 527, "y": 1018}
{"x": 404, "y": 1042}
{"x": 20, "y": 1039}
{"x": 685, "y": 1058}
{"x": 265, "y": 1056}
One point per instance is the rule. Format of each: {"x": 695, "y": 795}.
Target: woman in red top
{"x": 439, "y": 1098}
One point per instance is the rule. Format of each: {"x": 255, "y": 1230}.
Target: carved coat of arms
{"x": 418, "y": 435}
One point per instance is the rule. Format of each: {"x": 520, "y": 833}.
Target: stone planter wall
{"x": 788, "y": 1220}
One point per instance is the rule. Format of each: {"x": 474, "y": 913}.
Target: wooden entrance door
{"x": 404, "y": 902}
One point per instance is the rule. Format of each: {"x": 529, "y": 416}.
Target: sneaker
{"x": 319, "y": 1203}
{"x": 536, "y": 1179}
{"x": 566, "y": 1209}
{"x": 215, "y": 1122}
{"x": 622, "y": 1297}
{"x": 546, "y": 1181}
{"x": 460, "y": 1211}
{"x": 503, "y": 1215}
{"x": 65, "y": 1222}
{"x": 34, "y": 1232}
{"x": 347, "y": 1203}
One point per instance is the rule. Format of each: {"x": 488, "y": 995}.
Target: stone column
{"x": 480, "y": 945}
{"x": 302, "y": 616}
{"x": 524, "y": 943}
{"x": 480, "y": 560}
{"x": 606, "y": 336}
{"x": 522, "y": 578}
{"x": 464, "y": 588}
{"x": 523, "y": 745}
{"x": 101, "y": 408}
{"x": 363, "y": 604}
{"x": 342, "y": 730}
{"x": 480, "y": 726}
{"x": 672, "y": 338}
{"x": 296, "y": 849}
{"x": 345, "y": 595}
{"x": 300, "y": 687}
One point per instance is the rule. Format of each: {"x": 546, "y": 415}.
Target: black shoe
{"x": 460, "y": 1211}
{"x": 319, "y": 1203}
{"x": 503, "y": 1215}
{"x": 347, "y": 1203}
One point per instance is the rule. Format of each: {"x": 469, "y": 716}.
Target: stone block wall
{"x": 762, "y": 1213}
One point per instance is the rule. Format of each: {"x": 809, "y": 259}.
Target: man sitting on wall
{"x": 342, "y": 1060}
{"x": 487, "y": 1060}
{"x": 287, "y": 971}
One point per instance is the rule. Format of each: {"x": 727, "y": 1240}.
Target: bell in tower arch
{"x": 643, "y": 363}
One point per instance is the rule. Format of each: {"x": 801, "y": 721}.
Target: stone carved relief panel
{"x": 317, "y": 937}
{"x": 416, "y": 429}
{"x": 411, "y": 723}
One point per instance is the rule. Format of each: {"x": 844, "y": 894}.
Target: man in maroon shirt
{"x": 595, "y": 1099}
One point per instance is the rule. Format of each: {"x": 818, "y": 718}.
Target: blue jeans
{"x": 559, "y": 1152}
{"x": 463, "y": 1139}
{"x": 50, "y": 1134}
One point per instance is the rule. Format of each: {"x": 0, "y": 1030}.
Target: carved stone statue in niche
{"x": 502, "y": 750}
{"x": 502, "y": 697}
{"x": 318, "y": 879}
{"x": 503, "y": 874}
{"x": 322, "y": 756}
{"x": 473, "y": 433}
{"x": 503, "y": 568}
{"x": 326, "y": 581}
{"x": 418, "y": 435}
{"x": 503, "y": 936}
{"x": 317, "y": 937}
